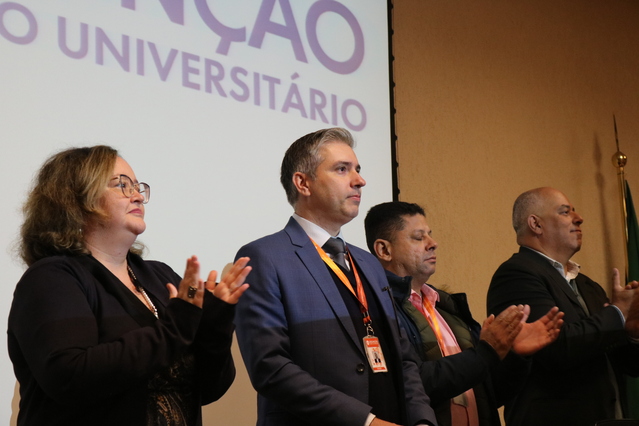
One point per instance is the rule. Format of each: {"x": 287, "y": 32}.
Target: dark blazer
{"x": 83, "y": 346}
{"x": 298, "y": 340}
{"x": 477, "y": 366}
{"x": 570, "y": 383}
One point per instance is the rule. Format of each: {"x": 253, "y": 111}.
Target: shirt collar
{"x": 572, "y": 269}
{"x": 429, "y": 293}
{"x": 314, "y": 231}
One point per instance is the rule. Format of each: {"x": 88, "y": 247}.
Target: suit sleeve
{"x": 449, "y": 376}
{"x": 580, "y": 339}
{"x": 418, "y": 401}
{"x": 509, "y": 377}
{"x": 212, "y": 343}
{"x": 212, "y": 346}
{"x": 263, "y": 337}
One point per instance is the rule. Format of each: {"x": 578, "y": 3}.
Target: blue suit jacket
{"x": 298, "y": 341}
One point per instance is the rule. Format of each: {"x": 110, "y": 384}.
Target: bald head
{"x": 545, "y": 220}
{"x": 530, "y": 202}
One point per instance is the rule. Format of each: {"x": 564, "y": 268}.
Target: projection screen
{"x": 202, "y": 98}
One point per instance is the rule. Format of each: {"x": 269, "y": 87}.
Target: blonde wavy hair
{"x": 65, "y": 196}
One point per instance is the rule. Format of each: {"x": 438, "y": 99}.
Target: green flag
{"x": 632, "y": 385}
{"x": 633, "y": 238}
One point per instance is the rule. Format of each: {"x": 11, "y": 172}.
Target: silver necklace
{"x": 139, "y": 288}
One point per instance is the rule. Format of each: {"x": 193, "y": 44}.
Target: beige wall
{"x": 497, "y": 97}
{"x": 494, "y": 98}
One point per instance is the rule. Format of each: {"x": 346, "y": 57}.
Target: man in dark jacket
{"x": 462, "y": 362}
{"x": 577, "y": 379}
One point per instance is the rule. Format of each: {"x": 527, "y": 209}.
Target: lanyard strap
{"x": 359, "y": 295}
{"x": 434, "y": 323}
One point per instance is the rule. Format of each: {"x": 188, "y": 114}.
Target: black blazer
{"x": 83, "y": 351}
{"x": 570, "y": 382}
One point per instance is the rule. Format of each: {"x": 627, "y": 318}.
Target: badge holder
{"x": 374, "y": 352}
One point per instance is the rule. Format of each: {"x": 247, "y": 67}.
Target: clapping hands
{"x": 229, "y": 289}
{"x": 509, "y": 330}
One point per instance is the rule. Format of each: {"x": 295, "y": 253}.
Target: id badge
{"x": 374, "y": 354}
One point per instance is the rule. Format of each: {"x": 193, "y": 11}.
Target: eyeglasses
{"x": 129, "y": 187}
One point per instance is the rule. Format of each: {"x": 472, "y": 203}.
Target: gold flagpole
{"x": 619, "y": 160}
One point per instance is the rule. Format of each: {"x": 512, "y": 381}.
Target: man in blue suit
{"x": 317, "y": 331}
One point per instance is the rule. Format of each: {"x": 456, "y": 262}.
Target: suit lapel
{"x": 366, "y": 269}
{"x": 555, "y": 277}
{"x": 561, "y": 282}
{"x": 384, "y": 298}
{"x": 308, "y": 255}
{"x": 130, "y": 303}
{"x": 590, "y": 294}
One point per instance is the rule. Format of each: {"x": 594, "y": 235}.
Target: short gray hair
{"x": 303, "y": 156}
{"x": 525, "y": 205}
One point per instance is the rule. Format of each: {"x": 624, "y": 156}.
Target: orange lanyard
{"x": 359, "y": 295}
{"x": 434, "y": 324}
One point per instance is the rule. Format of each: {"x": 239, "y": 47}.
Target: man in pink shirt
{"x": 468, "y": 370}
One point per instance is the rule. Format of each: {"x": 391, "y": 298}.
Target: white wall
{"x": 203, "y": 119}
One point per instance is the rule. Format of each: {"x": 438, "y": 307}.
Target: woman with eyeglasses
{"x": 97, "y": 335}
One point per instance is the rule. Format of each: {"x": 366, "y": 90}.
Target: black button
{"x": 361, "y": 368}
